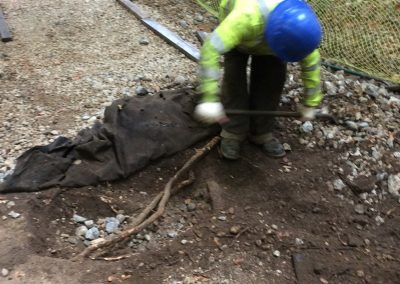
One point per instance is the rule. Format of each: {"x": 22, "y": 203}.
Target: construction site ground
{"x": 256, "y": 220}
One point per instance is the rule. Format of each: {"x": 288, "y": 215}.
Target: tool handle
{"x": 263, "y": 113}
{"x": 278, "y": 113}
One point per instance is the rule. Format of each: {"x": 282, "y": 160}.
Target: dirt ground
{"x": 272, "y": 208}
{"x": 256, "y": 220}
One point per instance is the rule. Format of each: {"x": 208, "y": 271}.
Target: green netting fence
{"x": 363, "y": 35}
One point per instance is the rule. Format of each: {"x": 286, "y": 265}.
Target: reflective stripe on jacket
{"x": 242, "y": 25}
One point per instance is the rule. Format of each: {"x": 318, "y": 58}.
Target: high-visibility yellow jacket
{"x": 242, "y": 24}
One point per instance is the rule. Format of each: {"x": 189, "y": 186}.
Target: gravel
{"x": 172, "y": 234}
{"x": 121, "y": 218}
{"x": 235, "y": 229}
{"x": 78, "y": 219}
{"x": 191, "y": 206}
{"x": 307, "y": 127}
{"x": 359, "y": 209}
{"x": 276, "y": 253}
{"x": 394, "y": 185}
{"x": 81, "y": 231}
{"x": 111, "y": 225}
{"x": 4, "y": 272}
{"x": 10, "y": 204}
{"x": 338, "y": 184}
{"x": 299, "y": 242}
{"x": 89, "y": 223}
{"x": 14, "y": 214}
{"x": 92, "y": 234}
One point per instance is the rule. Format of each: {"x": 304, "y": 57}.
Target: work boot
{"x": 273, "y": 148}
{"x": 230, "y": 148}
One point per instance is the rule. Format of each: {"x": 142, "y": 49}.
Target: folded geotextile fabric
{"x": 134, "y": 132}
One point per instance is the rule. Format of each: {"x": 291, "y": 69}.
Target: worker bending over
{"x": 271, "y": 33}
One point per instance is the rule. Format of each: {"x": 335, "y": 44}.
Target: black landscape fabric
{"x": 134, "y": 132}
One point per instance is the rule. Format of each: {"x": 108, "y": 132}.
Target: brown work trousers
{"x": 267, "y": 78}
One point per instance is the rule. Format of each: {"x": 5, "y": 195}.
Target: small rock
{"x": 277, "y": 253}
{"x": 363, "y": 125}
{"x": 299, "y": 242}
{"x": 92, "y": 119}
{"x": 141, "y": 91}
{"x": 198, "y": 18}
{"x": 144, "y": 41}
{"x": 381, "y": 176}
{"x": 180, "y": 80}
{"x": 139, "y": 236}
{"x": 73, "y": 240}
{"x": 396, "y": 155}
{"x": 10, "y": 204}
{"x": 394, "y": 101}
{"x": 191, "y": 206}
{"x": 222, "y": 218}
{"x": 275, "y": 227}
{"x": 182, "y": 207}
{"x": 78, "y": 219}
{"x": 14, "y": 214}
{"x": 172, "y": 234}
{"x": 330, "y": 88}
{"x": 183, "y": 24}
{"x": 287, "y": 147}
{"x": 81, "y": 231}
{"x": 363, "y": 195}
{"x": 316, "y": 210}
{"x": 147, "y": 237}
{"x": 111, "y": 224}
{"x": 379, "y": 220}
{"x": 4, "y": 272}
{"x": 89, "y": 223}
{"x": 394, "y": 185}
{"x": 307, "y": 127}
{"x": 121, "y": 218}
{"x": 184, "y": 242}
{"x": 92, "y": 234}
{"x": 359, "y": 209}
{"x": 360, "y": 273}
{"x": 351, "y": 125}
{"x": 323, "y": 280}
{"x": 338, "y": 184}
{"x": 376, "y": 154}
{"x": 235, "y": 230}
{"x": 85, "y": 117}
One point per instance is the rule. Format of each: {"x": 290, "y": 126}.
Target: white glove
{"x": 210, "y": 112}
{"x": 307, "y": 113}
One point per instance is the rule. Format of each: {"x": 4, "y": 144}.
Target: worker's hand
{"x": 211, "y": 112}
{"x": 307, "y": 113}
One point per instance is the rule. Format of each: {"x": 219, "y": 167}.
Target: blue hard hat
{"x": 293, "y": 30}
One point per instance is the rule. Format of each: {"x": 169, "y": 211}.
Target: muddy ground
{"x": 264, "y": 220}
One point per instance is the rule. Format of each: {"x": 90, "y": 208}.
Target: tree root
{"x": 160, "y": 201}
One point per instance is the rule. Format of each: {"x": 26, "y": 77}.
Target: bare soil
{"x": 271, "y": 207}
